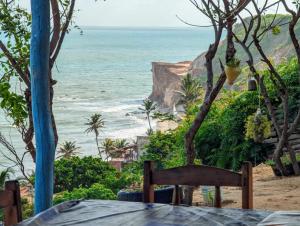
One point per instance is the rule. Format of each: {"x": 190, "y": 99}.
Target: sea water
{"x": 108, "y": 71}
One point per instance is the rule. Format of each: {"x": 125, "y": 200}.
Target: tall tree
{"x": 95, "y": 124}
{"x": 148, "y": 107}
{"x": 15, "y": 26}
{"x": 68, "y": 149}
{"x": 190, "y": 90}
{"x": 256, "y": 28}
{"x": 222, "y": 14}
{"x": 41, "y": 112}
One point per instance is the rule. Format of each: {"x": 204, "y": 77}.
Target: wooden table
{"x": 100, "y": 212}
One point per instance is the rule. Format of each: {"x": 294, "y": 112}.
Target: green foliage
{"x": 276, "y": 30}
{"x": 234, "y": 62}
{"x": 27, "y": 208}
{"x": 96, "y": 191}
{"x": 108, "y": 145}
{"x": 285, "y": 160}
{"x": 114, "y": 148}
{"x": 163, "y": 116}
{"x": 95, "y": 124}
{"x": 258, "y": 127}
{"x": 148, "y": 108}
{"x": 68, "y": 149}
{"x": 165, "y": 150}
{"x": 13, "y": 103}
{"x": 4, "y": 175}
{"x": 84, "y": 172}
{"x": 190, "y": 90}
{"x": 221, "y": 139}
{"x": 15, "y": 28}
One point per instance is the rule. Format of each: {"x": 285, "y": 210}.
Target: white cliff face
{"x": 166, "y": 82}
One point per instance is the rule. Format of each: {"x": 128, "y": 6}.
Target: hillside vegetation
{"x": 277, "y": 47}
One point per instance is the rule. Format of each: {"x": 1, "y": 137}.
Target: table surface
{"x": 102, "y": 212}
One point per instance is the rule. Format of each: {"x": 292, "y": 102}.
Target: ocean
{"x": 108, "y": 71}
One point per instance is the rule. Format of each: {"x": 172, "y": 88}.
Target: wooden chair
{"x": 193, "y": 175}
{"x": 10, "y": 202}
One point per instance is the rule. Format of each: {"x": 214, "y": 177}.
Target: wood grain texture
{"x": 10, "y": 202}
{"x": 197, "y": 175}
{"x": 176, "y": 195}
{"x": 247, "y": 188}
{"x": 6, "y": 199}
{"x": 148, "y": 185}
{"x": 40, "y": 89}
{"x": 193, "y": 175}
{"x": 218, "y": 200}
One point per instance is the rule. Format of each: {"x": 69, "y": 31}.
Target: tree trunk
{"x": 150, "y": 127}
{"x": 39, "y": 65}
{"x": 293, "y": 159}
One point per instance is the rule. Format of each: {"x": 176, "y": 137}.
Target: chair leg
{"x": 218, "y": 201}
{"x": 13, "y": 214}
{"x": 247, "y": 188}
{"x": 176, "y": 195}
{"x": 148, "y": 186}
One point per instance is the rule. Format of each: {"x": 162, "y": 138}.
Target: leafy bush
{"x": 285, "y": 160}
{"x": 96, "y": 191}
{"x": 165, "y": 150}
{"x": 221, "y": 140}
{"x": 258, "y": 127}
{"x": 234, "y": 62}
{"x": 27, "y": 208}
{"x": 84, "y": 172}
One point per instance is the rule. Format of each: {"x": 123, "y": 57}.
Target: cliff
{"x": 167, "y": 76}
{"x": 166, "y": 81}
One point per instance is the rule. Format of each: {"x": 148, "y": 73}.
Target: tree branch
{"x": 56, "y": 25}
{"x": 15, "y": 64}
{"x": 63, "y": 33}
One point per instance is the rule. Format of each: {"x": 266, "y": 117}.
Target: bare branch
{"x": 63, "y": 33}
{"x": 56, "y": 25}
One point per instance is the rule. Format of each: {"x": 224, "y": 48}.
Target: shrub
{"x": 164, "y": 149}
{"x": 285, "y": 160}
{"x": 258, "y": 127}
{"x": 84, "y": 172}
{"x": 96, "y": 191}
{"x": 27, "y": 208}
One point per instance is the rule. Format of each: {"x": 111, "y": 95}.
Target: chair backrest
{"x": 10, "y": 202}
{"x": 193, "y": 175}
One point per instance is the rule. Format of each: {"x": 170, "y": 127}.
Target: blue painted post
{"x": 44, "y": 136}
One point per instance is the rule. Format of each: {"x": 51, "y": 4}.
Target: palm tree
{"x": 190, "y": 90}
{"x": 109, "y": 148}
{"x": 4, "y": 175}
{"x": 121, "y": 143}
{"x": 68, "y": 149}
{"x": 95, "y": 124}
{"x": 147, "y": 108}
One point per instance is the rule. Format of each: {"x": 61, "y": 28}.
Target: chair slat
{"x": 197, "y": 175}
{"x": 6, "y": 199}
{"x": 192, "y": 175}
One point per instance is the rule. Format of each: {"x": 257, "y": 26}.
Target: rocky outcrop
{"x": 166, "y": 82}
{"x": 167, "y": 76}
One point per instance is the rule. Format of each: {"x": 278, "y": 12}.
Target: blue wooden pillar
{"x": 44, "y": 136}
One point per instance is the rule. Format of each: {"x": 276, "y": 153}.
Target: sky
{"x": 136, "y": 13}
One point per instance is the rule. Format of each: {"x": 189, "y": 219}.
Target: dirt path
{"x": 270, "y": 193}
